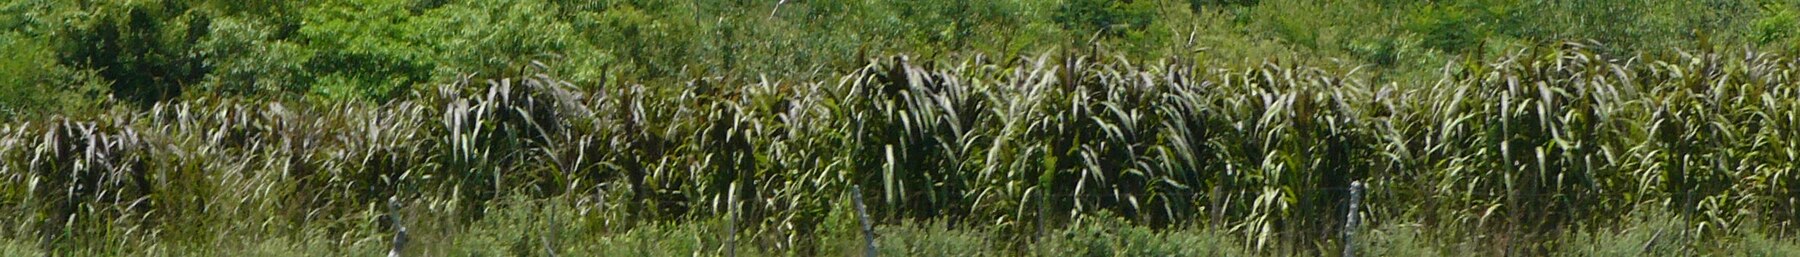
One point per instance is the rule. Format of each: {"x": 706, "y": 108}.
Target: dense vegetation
{"x": 1534, "y": 144}
{"x": 66, "y": 57}
{"x": 1076, "y": 127}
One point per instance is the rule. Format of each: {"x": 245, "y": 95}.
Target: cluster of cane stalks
{"x": 1531, "y": 143}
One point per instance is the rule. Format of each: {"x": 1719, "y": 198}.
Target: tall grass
{"x": 1509, "y": 154}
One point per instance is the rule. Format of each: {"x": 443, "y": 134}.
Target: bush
{"x": 1199, "y": 6}
{"x": 364, "y": 50}
{"x": 493, "y": 38}
{"x": 33, "y": 83}
{"x": 1777, "y": 26}
{"x": 1448, "y": 29}
{"x": 23, "y": 62}
{"x": 246, "y": 59}
{"x": 143, "y": 49}
{"x": 1108, "y": 17}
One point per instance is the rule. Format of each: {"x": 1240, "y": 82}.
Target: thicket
{"x": 1019, "y": 127}
{"x": 1509, "y": 152}
{"x": 95, "y": 54}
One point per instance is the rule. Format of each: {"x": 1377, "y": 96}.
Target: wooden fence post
{"x": 1218, "y": 207}
{"x": 400, "y": 238}
{"x": 1042, "y": 204}
{"x": 1356, "y": 192}
{"x": 868, "y": 227}
{"x": 731, "y": 221}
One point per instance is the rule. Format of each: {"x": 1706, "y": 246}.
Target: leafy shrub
{"x": 364, "y": 50}
{"x": 1778, "y": 25}
{"x": 246, "y": 59}
{"x": 23, "y": 65}
{"x": 1199, "y": 6}
{"x": 1382, "y": 50}
{"x": 143, "y": 49}
{"x": 645, "y": 43}
{"x": 1448, "y": 29}
{"x": 493, "y": 38}
{"x": 1109, "y": 17}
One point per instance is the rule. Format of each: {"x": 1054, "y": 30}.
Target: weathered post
{"x": 868, "y": 227}
{"x": 399, "y": 244}
{"x": 1352, "y": 221}
{"x": 1042, "y": 203}
{"x": 1218, "y": 207}
{"x": 731, "y": 221}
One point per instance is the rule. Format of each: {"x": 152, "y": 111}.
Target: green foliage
{"x": 627, "y": 127}
{"x": 1451, "y": 29}
{"x": 1200, "y": 6}
{"x": 1399, "y": 240}
{"x": 32, "y": 17}
{"x": 366, "y": 50}
{"x": 976, "y": 150}
{"x": 1647, "y": 234}
{"x": 144, "y": 49}
{"x": 1108, "y": 17}
{"x": 12, "y": 247}
{"x": 1777, "y": 27}
{"x": 247, "y": 59}
{"x": 494, "y": 37}
{"x": 949, "y": 26}
{"x": 360, "y": 50}
{"x": 34, "y": 84}
{"x": 1386, "y": 50}
{"x": 1759, "y": 244}
{"x": 644, "y": 39}
{"x": 931, "y": 239}
{"x": 23, "y": 64}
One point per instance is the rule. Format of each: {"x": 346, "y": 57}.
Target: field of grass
{"x": 1549, "y": 150}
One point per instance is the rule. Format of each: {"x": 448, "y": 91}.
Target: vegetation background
{"x": 1072, "y": 127}
{"x": 93, "y": 54}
